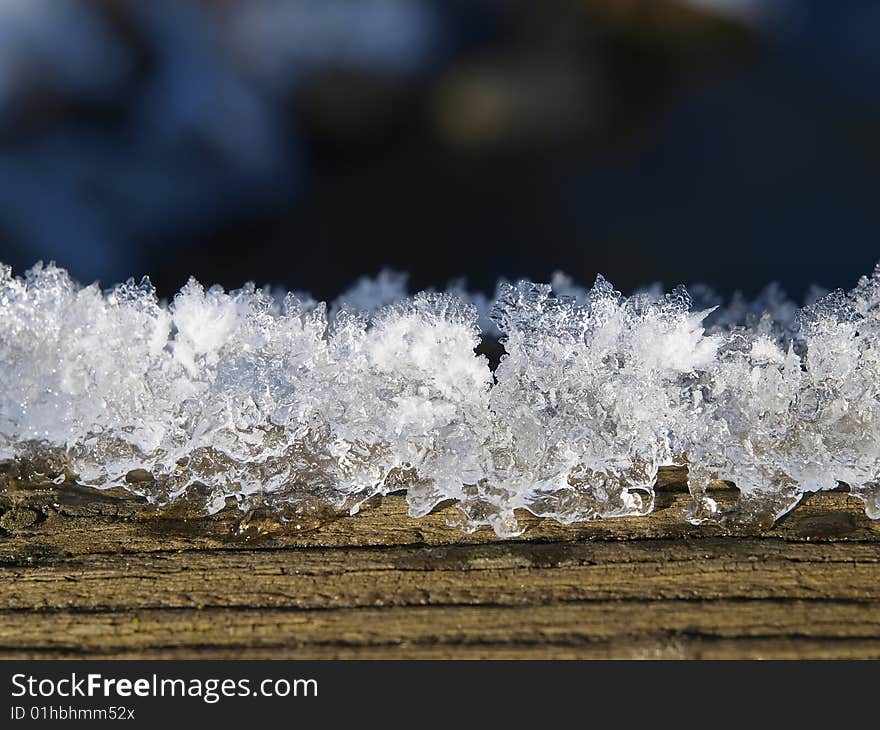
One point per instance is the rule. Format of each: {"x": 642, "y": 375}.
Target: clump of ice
{"x": 262, "y": 397}
{"x": 589, "y": 398}
{"x": 233, "y": 394}
{"x": 841, "y": 397}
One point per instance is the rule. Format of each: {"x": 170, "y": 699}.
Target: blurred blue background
{"x": 307, "y": 142}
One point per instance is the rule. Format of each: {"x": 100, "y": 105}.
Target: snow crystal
{"x": 265, "y": 398}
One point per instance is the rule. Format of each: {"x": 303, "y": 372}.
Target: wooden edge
{"x": 51, "y": 519}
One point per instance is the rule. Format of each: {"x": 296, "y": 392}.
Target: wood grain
{"x": 92, "y": 574}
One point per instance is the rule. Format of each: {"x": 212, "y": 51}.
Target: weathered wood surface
{"x": 101, "y": 575}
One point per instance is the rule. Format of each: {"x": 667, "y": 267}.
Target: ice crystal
{"x": 589, "y": 397}
{"x": 266, "y": 399}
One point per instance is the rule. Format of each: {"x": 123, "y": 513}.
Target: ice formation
{"x": 589, "y": 398}
{"x": 269, "y": 400}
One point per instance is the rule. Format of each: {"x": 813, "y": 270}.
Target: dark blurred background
{"x": 305, "y": 143}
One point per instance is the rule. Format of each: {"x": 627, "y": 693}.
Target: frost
{"x": 264, "y": 398}
{"x": 588, "y": 398}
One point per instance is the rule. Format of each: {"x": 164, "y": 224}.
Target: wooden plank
{"x": 44, "y": 524}
{"x": 663, "y": 629}
{"x": 85, "y": 573}
{"x": 516, "y": 574}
